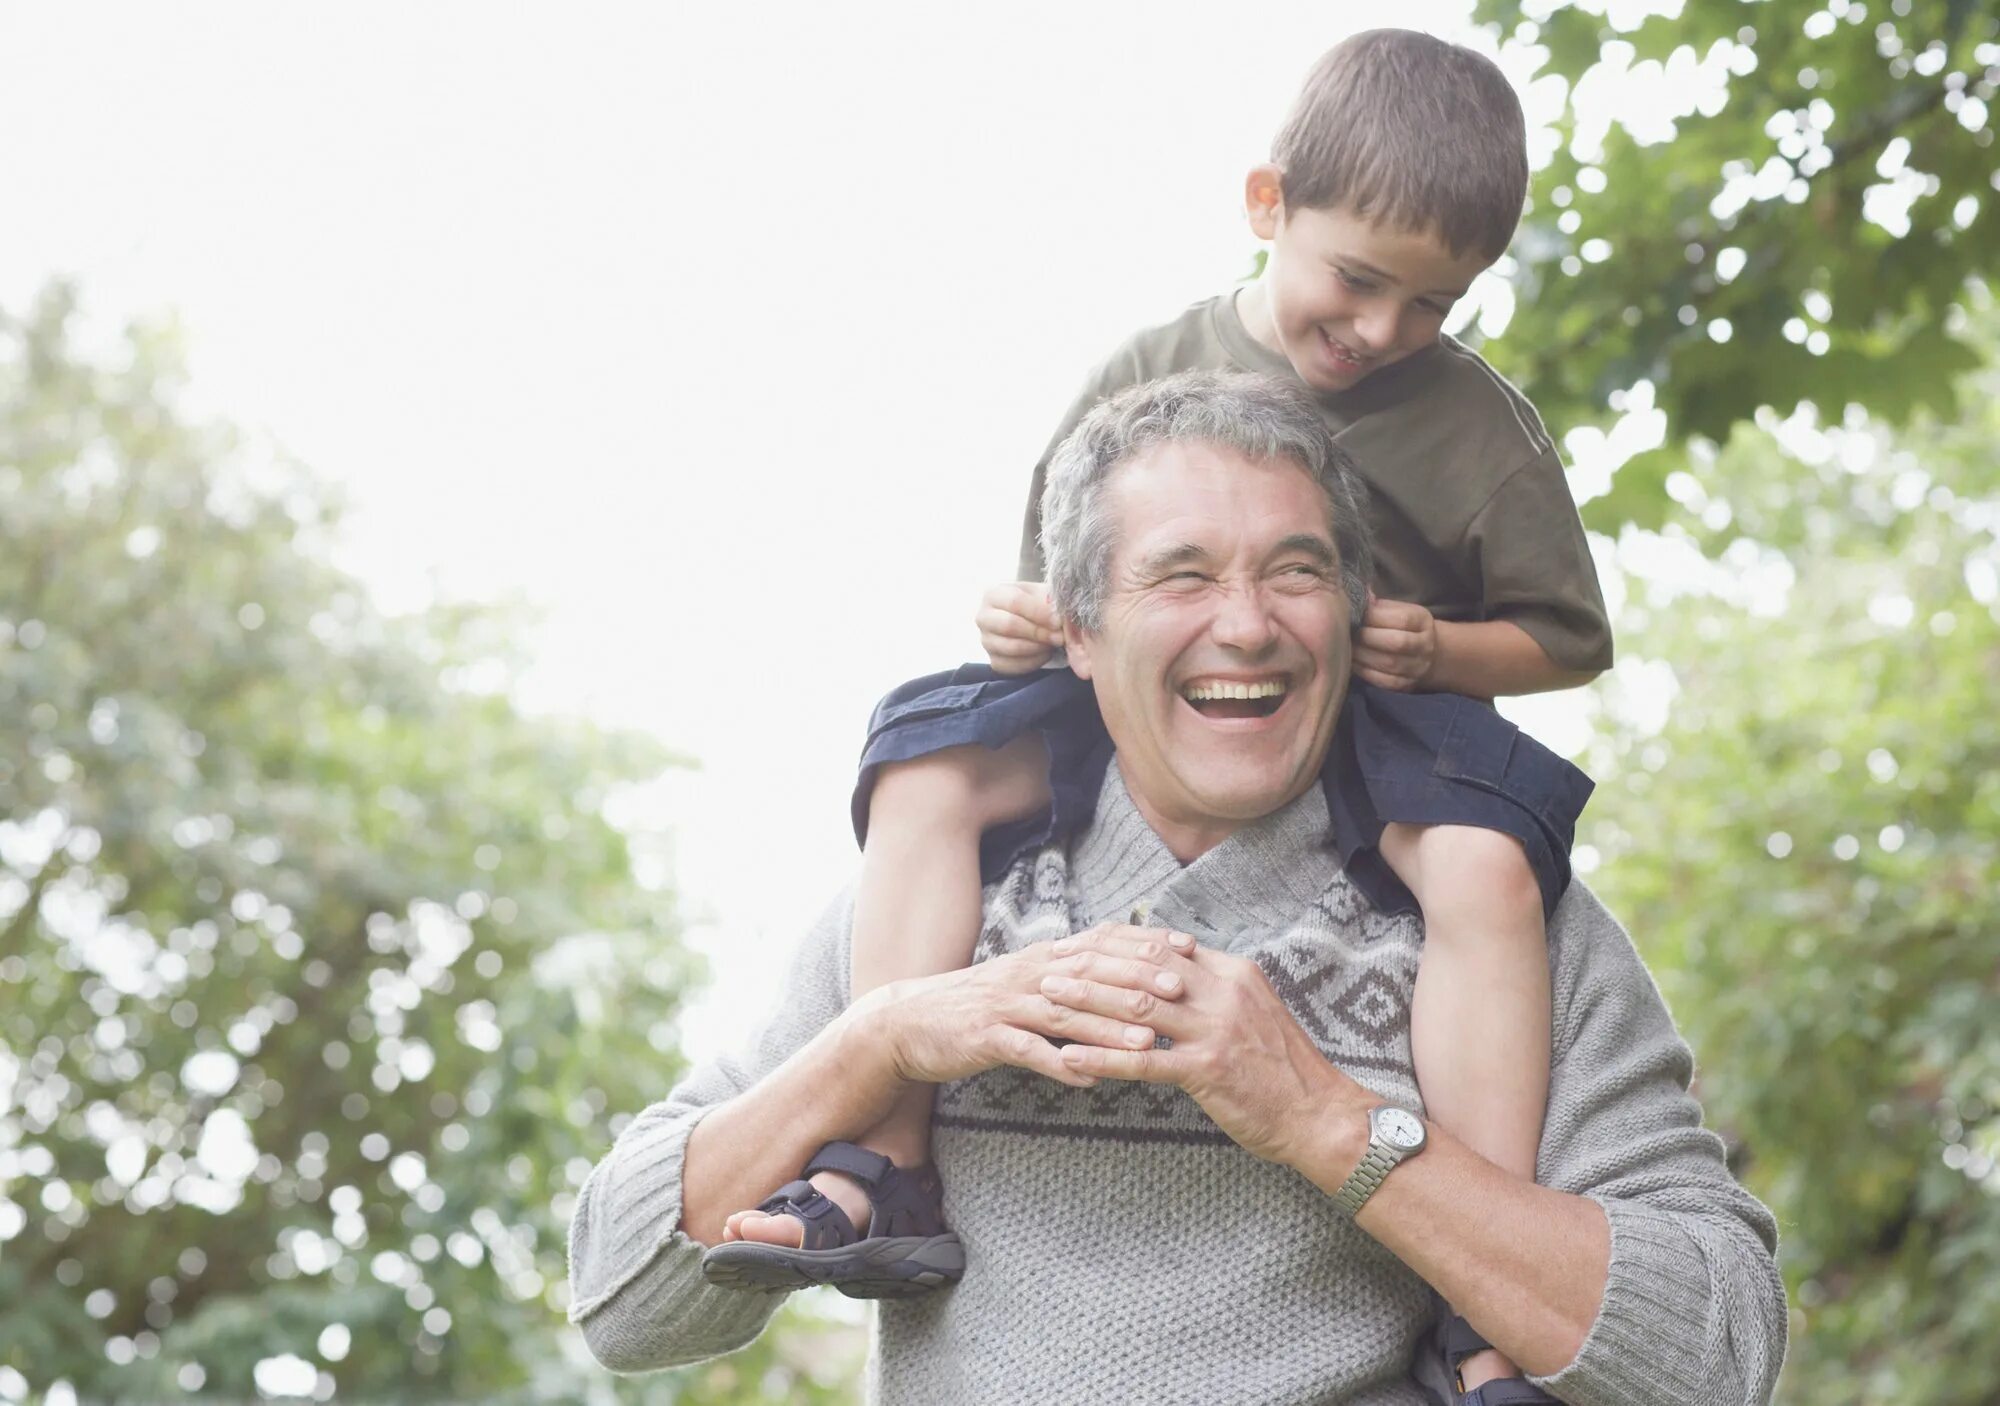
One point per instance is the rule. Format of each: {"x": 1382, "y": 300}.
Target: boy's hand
{"x": 1018, "y": 628}
{"x": 1398, "y": 644}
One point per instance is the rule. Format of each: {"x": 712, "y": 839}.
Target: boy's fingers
{"x": 1389, "y": 641}
{"x": 1028, "y": 599}
{"x": 1396, "y": 615}
{"x": 992, "y": 620}
{"x": 1388, "y": 681}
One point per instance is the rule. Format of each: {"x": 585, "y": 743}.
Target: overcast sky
{"x": 727, "y": 335}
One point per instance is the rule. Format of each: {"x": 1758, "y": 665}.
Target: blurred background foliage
{"x": 325, "y": 971}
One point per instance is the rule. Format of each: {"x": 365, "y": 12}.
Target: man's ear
{"x": 1076, "y": 647}
{"x": 1264, "y": 199}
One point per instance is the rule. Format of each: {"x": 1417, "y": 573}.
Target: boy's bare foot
{"x": 903, "y": 1137}
{"x": 789, "y": 1230}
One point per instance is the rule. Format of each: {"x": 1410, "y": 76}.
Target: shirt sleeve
{"x": 1534, "y": 566}
{"x": 635, "y": 1276}
{"x": 1117, "y": 371}
{"x": 1694, "y": 1307}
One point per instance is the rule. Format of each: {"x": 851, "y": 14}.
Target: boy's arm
{"x": 1402, "y": 646}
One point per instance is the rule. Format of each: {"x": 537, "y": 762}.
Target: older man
{"x": 1236, "y": 1213}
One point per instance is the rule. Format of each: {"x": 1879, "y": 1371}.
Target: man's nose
{"x": 1243, "y": 620}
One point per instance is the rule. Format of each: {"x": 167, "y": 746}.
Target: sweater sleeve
{"x": 635, "y": 1276}
{"x": 1694, "y": 1309}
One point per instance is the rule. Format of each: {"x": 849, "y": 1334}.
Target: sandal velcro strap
{"x": 826, "y": 1225}
{"x": 868, "y": 1168}
{"x": 1461, "y": 1340}
{"x": 1508, "y": 1391}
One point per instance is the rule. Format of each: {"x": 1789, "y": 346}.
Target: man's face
{"x": 1224, "y": 582}
{"x": 1347, "y": 297}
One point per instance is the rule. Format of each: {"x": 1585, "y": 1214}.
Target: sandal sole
{"x": 886, "y": 1267}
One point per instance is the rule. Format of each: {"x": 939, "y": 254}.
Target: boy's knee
{"x": 968, "y": 786}
{"x": 1463, "y": 868}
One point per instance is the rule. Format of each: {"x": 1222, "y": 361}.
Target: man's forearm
{"x": 835, "y": 1087}
{"x": 1495, "y": 659}
{"x": 1525, "y": 1265}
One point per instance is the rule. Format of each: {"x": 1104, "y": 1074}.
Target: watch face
{"x": 1400, "y": 1128}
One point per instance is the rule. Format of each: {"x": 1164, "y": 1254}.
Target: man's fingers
{"x": 1142, "y": 966}
{"x": 1063, "y": 1022}
{"x": 1138, "y": 1007}
{"x": 1127, "y": 940}
{"x": 1143, "y": 1066}
{"x": 1026, "y": 1049}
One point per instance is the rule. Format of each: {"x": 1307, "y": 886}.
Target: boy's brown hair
{"x": 1414, "y": 132}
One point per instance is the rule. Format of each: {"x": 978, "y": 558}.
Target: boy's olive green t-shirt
{"x": 1473, "y": 518}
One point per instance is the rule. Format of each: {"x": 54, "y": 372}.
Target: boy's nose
{"x": 1376, "y": 326}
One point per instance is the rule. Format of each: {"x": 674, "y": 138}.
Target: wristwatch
{"x": 1394, "y": 1134}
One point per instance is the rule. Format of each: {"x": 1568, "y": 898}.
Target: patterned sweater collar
{"x": 1260, "y": 878}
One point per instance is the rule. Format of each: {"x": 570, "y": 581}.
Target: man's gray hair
{"x": 1262, "y": 417}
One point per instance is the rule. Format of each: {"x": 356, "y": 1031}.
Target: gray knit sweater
{"x": 1121, "y": 1249}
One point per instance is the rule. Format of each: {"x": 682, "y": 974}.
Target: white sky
{"x": 726, "y": 334}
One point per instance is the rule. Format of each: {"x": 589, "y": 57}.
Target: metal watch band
{"x": 1375, "y": 1165}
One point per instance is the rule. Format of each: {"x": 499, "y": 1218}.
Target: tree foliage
{"x": 324, "y": 976}
{"x": 1809, "y": 855}
{"x": 1750, "y": 203}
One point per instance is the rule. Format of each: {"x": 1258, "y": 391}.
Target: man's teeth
{"x": 1203, "y": 692}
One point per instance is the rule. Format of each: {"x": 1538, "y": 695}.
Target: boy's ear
{"x": 1076, "y": 648}
{"x": 1264, "y": 199}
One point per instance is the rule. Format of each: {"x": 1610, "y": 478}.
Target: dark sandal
{"x": 906, "y": 1251}
{"x": 1462, "y": 1340}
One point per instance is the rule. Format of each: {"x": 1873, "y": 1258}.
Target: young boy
{"x": 1399, "y": 177}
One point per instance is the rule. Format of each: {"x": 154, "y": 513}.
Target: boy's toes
{"x": 770, "y": 1230}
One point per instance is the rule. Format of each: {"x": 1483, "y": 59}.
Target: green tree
{"x": 1809, "y": 854}
{"x": 324, "y": 976}
{"x": 1749, "y": 203}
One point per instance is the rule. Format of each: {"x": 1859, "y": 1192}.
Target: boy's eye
{"x": 1354, "y": 281}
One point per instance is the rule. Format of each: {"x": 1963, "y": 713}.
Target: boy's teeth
{"x": 1202, "y": 692}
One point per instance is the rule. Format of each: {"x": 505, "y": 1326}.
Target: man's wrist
{"x": 867, "y": 1039}
{"x": 1337, "y": 1136}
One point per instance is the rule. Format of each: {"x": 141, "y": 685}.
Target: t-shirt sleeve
{"x": 1528, "y": 545}
{"x": 1117, "y": 371}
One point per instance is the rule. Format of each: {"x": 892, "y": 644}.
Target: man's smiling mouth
{"x": 1236, "y": 698}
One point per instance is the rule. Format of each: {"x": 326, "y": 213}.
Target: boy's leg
{"x": 1479, "y": 1019}
{"x": 917, "y": 913}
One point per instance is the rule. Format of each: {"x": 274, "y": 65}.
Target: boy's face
{"x": 1342, "y": 297}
